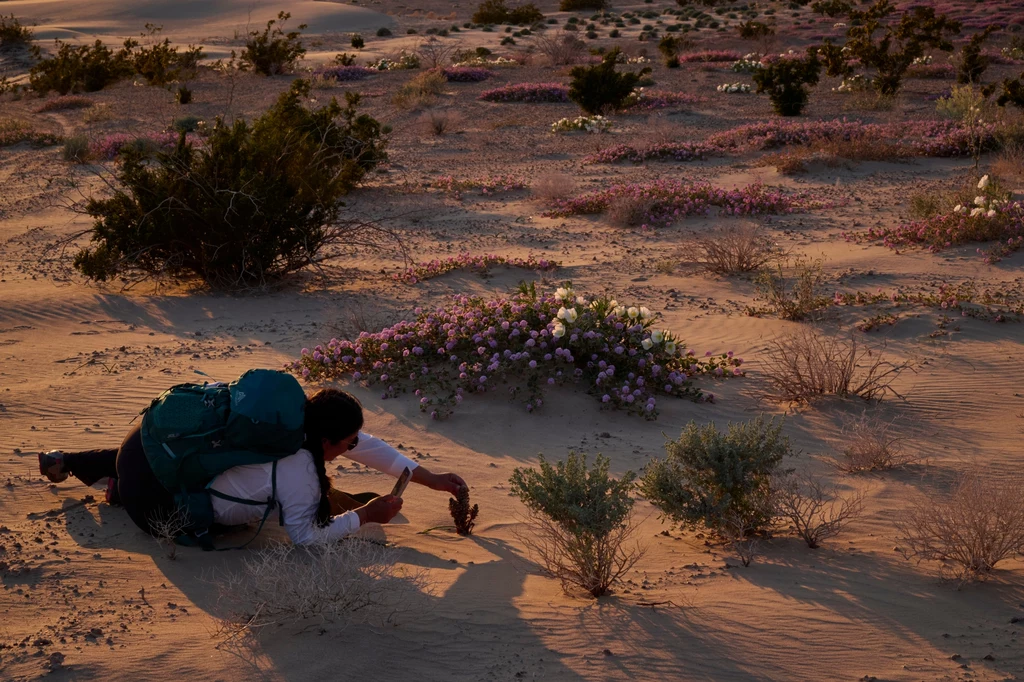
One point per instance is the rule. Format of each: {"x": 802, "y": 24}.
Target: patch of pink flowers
{"x": 522, "y": 345}
{"x": 711, "y": 56}
{"x": 528, "y": 92}
{"x": 1003, "y": 223}
{"x": 466, "y": 74}
{"x": 489, "y": 184}
{"x": 345, "y": 73}
{"x": 466, "y": 261}
{"x": 668, "y": 200}
{"x": 643, "y": 100}
{"x": 110, "y": 146}
{"x": 674, "y": 151}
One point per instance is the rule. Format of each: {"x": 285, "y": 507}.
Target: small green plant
{"x": 76, "y": 149}
{"x": 972, "y": 63}
{"x": 253, "y": 203}
{"x": 718, "y": 480}
{"x": 13, "y": 34}
{"x": 786, "y": 80}
{"x": 357, "y": 42}
{"x": 581, "y": 521}
{"x": 795, "y": 298}
{"x": 80, "y": 68}
{"x": 962, "y": 104}
{"x": 600, "y": 87}
{"x": 272, "y": 51}
{"x": 421, "y": 91}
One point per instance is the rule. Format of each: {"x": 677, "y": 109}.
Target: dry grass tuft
{"x": 734, "y": 250}
{"x": 979, "y": 524}
{"x": 810, "y": 364}
{"x": 166, "y": 529}
{"x": 872, "y": 444}
{"x": 420, "y": 92}
{"x": 441, "y": 122}
{"x": 560, "y": 50}
{"x": 628, "y": 211}
{"x": 552, "y": 187}
{"x": 1010, "y": 163}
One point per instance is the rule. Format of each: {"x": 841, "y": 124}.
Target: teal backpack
{"x": 193, "y": 432}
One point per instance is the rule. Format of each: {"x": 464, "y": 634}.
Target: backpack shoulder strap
{"x": 272, "y": 502}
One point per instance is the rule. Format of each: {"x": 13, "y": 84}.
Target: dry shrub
{"x": 76, "y": 149}
{"x": 734, "y": 250}
{"x": 552, "y": 187}
{"x": 816, "y": 511}
{"x": 627, "y": 211}
{"x": 319, "y": 81}
{"x": 98, "y": 113}
{"x": 441, "y": 122}
{"x": 789, "y": 162}
{"x": 434, "y": 53}
{"x": 810, "y": 364}
{"x": 796, "y": 295}
{"x": 742, "y": 537}
{"x": 167, "y": 527}
{"x": 560, "y": 50}
{"x": 973, "y": 528}
{"x": 326, "y": 582}
{"x": 873, "y": 444}
{"x": 421, "y": 91}
{"x": 1010, "y": 162}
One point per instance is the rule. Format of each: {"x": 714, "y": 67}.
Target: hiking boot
{"x": 51, "y": 465}
{"x": 113, "y": 496}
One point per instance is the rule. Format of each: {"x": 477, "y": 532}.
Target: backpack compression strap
{"x": 204, "y": 538}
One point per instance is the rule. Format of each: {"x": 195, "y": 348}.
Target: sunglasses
{"x": 354, "y": 443}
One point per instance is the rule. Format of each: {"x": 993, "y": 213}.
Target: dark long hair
{"x": 332, "y": 414}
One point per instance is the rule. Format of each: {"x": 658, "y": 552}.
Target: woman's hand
{"x": 448, "y": 483}
{"x": 379, "y": 509}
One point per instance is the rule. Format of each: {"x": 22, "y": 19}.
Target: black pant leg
{"x": 142, "y": 495}
{"x": 89, "y": 466}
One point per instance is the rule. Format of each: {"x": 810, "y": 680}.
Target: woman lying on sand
{"x": 306, "y": 503}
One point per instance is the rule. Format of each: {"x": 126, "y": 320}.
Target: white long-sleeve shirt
{"x": 298, "y": 491}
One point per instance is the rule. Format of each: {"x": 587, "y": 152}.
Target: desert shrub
{"x": 497, "y": 12}
{"x": 76, "y": 149}
{"x": 65, "y": 103}
{"x": 971, "y": 63}
{"x": 582, "y": 524}
{"x": 183, "y": 95}
{"x": 14, "y": 131}
{"x": 186, "y": 124}
{"x": 525, "y": 14}
{"x": 872, "y": 444}
{"x": 434, "y": 53}
{"x": 970, "y": 529}
{"x": 896, "y": 47}
{"x": 13, "y": 33}
{"x": 255, "y": 202}
{"x": 357, "y": 41}
{"x": 78, "y": 68}
{"x": 808, "y": 364}
{"x": 440, "y": 122}
{"x": 795, "y": 297}
{"x": 98, "y": 113}
{"x": 552, "y": 187}
{"x": 167, "y": 527}
{"x": 162, "y": 63}
{"x": 581, "y": 5}
{"x": 734, "y": 250}
{"x": 560, "y": 49}
{"x": 527, "y": 92}
{"x": 420, "y": 91}
{"x": 384, "y": 32}
{"x": 816, "y": 511}
{"x": 831, "y": 8}
{"x": 963, "y": 103}
{"x": 717, "y": 479}
{"x": 345, "y": 59}
{"x": 600, "y": 87}
{"x": 757, "y": 31}
{"x": 785, "y": 80}
{"x": 327, "y": 582}
{"x": 273, "y": 51}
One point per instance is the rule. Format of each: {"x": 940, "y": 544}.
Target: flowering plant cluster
{"x": 404, "y": 60}
{"x": 344, "y": 73}
{"x": 1013, "y": 54}
{"x": 997, "y": 304}
{"x": 466, "y": 261}
{"x": 741, "y": 88}
{"x": 527, "y": 341}
{"x": 930, "y": 71}
{"x": 642, "y": 100}
{"x": 110, "y": 146}
{"x": 748, "y": 63}
{"x": 667, "y": 200}
{"x": 855, "y": 83}
{"x": 528, "y": 92}
{"x": 586, "y": 124}
{"x": 488, "y": 184}
{"x": 497, "y": 62}
{"x": 466, "y": 74}
{"x": 15, "y": 132}
{"x": 710, "y": 56}
{"x": 676, "y": 151}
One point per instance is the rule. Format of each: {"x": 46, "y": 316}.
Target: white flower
{"x": 567, "y": 314}
{"x": 670, "y": 347}
{"x": 613, "y": 303}
{"x": 991, "y": 213}
{"x": 979, "y": 201}
{"x": 657, "y": 336}
{"x": 581, "y": 301}
{"x": 561, "y": 294}
{"x": 558, "y": 330}
{"x": 959, "y": 209}
{"x": 633, "y": 312}
{"x": 645, "y": 313}
{"x": 647, "y": 344}
{"x": 977, "y": 212}
{"x": 983, "y": 183}
{"x": 619, "y": 310}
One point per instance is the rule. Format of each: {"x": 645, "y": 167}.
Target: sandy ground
{"x": 85, "y": 595}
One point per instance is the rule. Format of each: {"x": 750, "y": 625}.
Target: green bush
{"x": 357, "y": 41}
{"x": 80, "y": 68}
{"x": 785, "y": 81}
{"x": 76, "y": 149}
{"x": 581, "y": 5}
{"x": 272, "y": 51}
{"x": 344, "y": 59}
{"x": 831, "y": 8}
{"x": 600, "y": 87}
{"x": 497, "y": 12}
{"x": 582, "y": 520}
{"x": 13, "y": 34}
{"x": 972, "y": 62}
{"x": 254, "y": 202}
{"x": 162, "y": 63}
{"x": 718, "y": 480}
{"x": 384, "y": 32}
